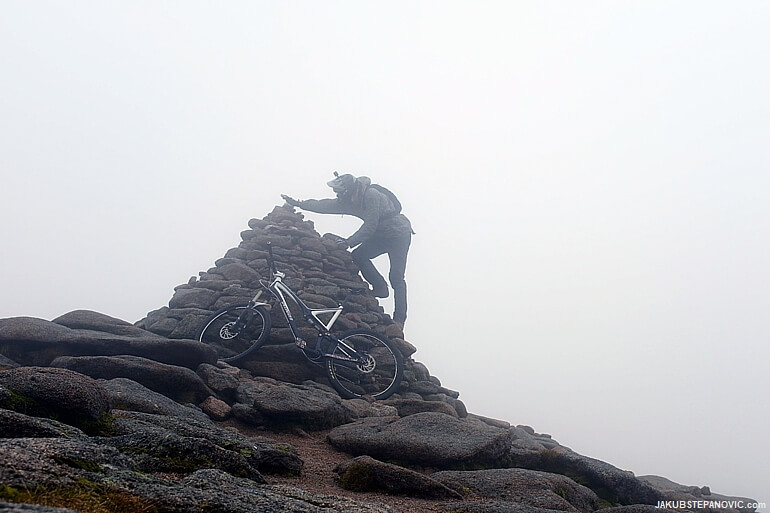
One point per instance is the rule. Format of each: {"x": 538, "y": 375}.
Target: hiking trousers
{"x": 397, "y": 249}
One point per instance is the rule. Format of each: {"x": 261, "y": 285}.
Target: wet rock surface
{"x": 365, "y": 474}
{"x": 58, "y": 394}
{"x": 429, "y": 439}
{"x": 178, "y": 383}
{"x": 528, "y": 487}
{"x": 32, "y": 341}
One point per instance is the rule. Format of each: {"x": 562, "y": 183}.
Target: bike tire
{"x": 234, "y": 347}
{"x": 379, "y": 377}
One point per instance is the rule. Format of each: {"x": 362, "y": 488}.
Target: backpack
{"x": 392, "y": 197}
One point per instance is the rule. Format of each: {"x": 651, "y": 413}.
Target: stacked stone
{"x": 323, "y": 275}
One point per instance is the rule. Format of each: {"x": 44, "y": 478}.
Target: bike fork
{"x": 243, "y": 319}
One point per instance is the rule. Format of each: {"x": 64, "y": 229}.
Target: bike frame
{"x": 281, "y": 292}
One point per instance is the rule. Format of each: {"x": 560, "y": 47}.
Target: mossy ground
{"x": 78, "y": 463}
{"x": 29, "y": 406}
{"x": 87, "y": 497}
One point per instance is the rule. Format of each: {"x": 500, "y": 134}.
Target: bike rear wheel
{"x": 364, "y": 363}
{"x": 236, "y": 331}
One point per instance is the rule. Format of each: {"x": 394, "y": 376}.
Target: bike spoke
{"x": 362, "y": 363}
{"x": 236, "y": 331}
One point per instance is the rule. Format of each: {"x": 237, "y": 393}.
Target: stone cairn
{"x": 323, "y": 275}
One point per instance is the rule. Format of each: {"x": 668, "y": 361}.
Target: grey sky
{"x": 588, "y": 182}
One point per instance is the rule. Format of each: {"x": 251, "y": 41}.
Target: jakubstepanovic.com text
{"x": 702, "y": 504}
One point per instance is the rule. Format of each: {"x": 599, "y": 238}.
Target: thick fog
{"x": 588, "y": 182}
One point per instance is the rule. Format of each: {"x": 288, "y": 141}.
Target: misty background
{"x": 588, "y": 182}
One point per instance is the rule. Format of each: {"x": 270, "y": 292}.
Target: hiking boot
{"x": 381, "y": 291}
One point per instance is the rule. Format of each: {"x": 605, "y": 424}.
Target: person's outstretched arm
{"x": 321, "y": 206}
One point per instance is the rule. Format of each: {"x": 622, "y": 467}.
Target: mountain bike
{"x": 358, "y": 362}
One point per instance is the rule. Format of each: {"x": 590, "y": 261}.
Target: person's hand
{"x": 291, "y": 201}
{"x": 341, "y": 242}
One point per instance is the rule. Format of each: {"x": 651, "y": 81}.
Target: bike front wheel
{"x": 236, "y": 331}
{"x": 364, "y": 363}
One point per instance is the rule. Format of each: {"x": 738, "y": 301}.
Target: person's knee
{"x": 357, "y": 256}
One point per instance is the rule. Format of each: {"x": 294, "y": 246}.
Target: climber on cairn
{"x": 385, "y": 230}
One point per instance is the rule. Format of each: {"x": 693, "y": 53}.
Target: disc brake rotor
{"x": 366, "y": 364}
{"x": 225, "y": 333}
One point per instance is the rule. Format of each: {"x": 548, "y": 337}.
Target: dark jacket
{"x": 371, "y": 206}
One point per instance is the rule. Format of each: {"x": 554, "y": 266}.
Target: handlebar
{"x": 270, "y": 258}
